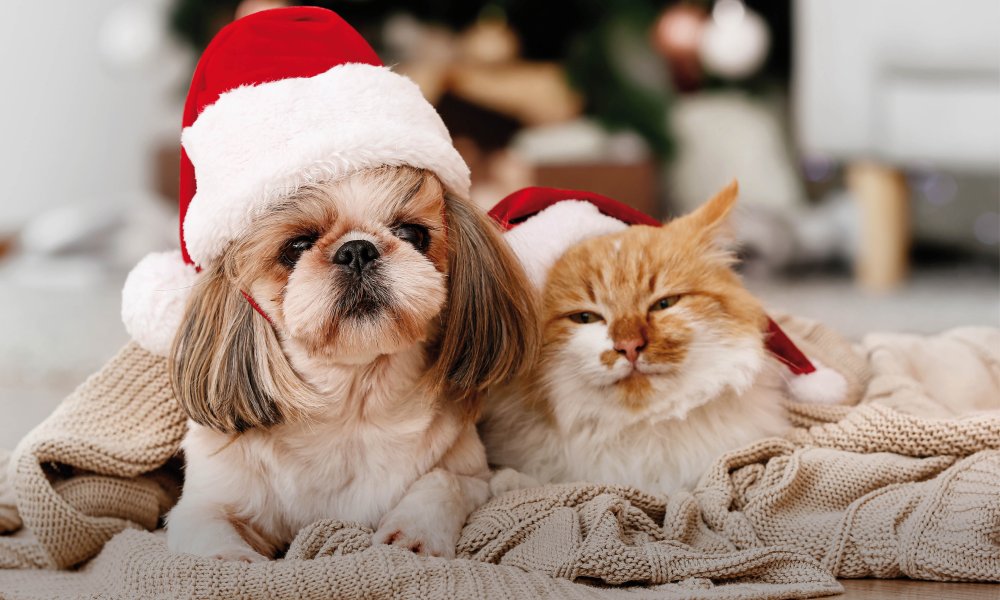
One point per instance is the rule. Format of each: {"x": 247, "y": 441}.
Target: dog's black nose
{"x": 356, "y": 255}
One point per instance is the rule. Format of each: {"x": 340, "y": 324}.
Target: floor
{"x": 932, "y": 300}
{"x": 872, "y": 589}
{"x": 52, "y": 340}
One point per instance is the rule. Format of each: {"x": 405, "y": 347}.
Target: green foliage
{"x": 196, "y": 21}
{"x": 624, "y": 81}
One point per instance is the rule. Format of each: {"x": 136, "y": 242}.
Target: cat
{"x": 653, "y": 365}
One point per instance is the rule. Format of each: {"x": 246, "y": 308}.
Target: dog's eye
{"x": 664, "y": 303}
{"x": 585, "y": 317}
{"x": 413, "y": 234}
{"x": 294, "y": 248}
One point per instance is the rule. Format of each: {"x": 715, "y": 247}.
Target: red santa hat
{"x": 280, "y": 99}
{"x": 541, "y": 224}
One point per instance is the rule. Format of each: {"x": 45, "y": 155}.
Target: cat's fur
{"x": 702, "y": 382}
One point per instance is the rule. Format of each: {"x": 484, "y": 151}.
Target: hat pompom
{"x": 153, "y": 299}
{"x": 822, "y": 386}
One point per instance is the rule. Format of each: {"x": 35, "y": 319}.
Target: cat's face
{"x": 651, "y": 321}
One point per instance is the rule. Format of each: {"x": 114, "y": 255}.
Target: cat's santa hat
{"x": 541, "y": 224}
{"x": 280, "y": 98}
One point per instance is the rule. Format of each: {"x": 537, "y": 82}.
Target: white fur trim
{"x": 822, "y": 386}
{"x": 257, "y": 144}
{"x": 153, "y": 299}
{"x": 542, "y": 239}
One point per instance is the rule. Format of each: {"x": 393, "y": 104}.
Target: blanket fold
{"x": 882, "y": 488}
{"x": 93, "y": 467}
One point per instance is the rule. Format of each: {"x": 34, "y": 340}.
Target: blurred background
{"x": 865, "y": 136}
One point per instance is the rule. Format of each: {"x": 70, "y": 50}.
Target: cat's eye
{"x": 413, "y": 234}
{"x": 664, "y": 303}
{"x": 585, "y": 317}
{"x": 294, "y": 248}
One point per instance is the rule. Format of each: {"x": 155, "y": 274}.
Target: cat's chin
{"x": 655, "y": 371}
{"x": 645, "y": 373}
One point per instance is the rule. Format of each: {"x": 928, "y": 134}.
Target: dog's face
{"x": 351, "y": 270}
{"x": 346, "y": 272}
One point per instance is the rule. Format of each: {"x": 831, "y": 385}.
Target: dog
{"x": 331, "y": 363}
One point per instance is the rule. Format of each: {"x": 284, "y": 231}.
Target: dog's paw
{"x": 416, "y": 537}
{"x": 223, "y": 545}
{"x": 508, "y": 480}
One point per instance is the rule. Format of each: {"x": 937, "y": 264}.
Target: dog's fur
{"x": 355, "y": 398}
{"x": 642, "y": 394}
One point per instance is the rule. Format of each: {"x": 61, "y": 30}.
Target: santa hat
{"x": 541, "y": 224}
{"x": 280, "y": 99}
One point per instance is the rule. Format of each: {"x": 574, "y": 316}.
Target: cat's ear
{"x": 711, "y": 221}
{"x": 714, "y": 214}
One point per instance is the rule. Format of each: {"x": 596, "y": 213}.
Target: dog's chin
{"x": 361, "y": 335}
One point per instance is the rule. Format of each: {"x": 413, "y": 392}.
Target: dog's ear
{"x": 227, "y": 367}
{"x": 489, "y": 329}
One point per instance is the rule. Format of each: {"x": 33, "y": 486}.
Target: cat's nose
{"x": 630, "y": 348}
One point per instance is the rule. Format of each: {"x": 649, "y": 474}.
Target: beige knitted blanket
{"x": 902, "y": 484}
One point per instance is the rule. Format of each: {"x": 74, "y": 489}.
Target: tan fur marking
{"x": 634, "y": 392}
{"x": 252, "y": 536}
{"x": 628, "y": 327}
{"x": 489, "y": 332}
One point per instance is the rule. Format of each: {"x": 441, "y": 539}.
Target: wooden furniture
{"x": 883, "y": 203}
{"x": 634, "y": 184}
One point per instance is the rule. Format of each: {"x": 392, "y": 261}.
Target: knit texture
{"x": 883, "y": 488}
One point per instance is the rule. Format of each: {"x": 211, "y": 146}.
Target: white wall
{"x": 77, "y": 128}
{"x": 74, "y": 128}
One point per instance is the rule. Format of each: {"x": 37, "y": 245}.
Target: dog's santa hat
{"x": 280, "y": 99}
{"x": 541, "y": 224}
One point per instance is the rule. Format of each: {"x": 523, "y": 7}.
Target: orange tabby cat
{"x": 653, "y": 365}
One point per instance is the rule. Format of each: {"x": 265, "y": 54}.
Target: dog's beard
{"x": 364, "y": 320}
{"x": 364, "y": 297}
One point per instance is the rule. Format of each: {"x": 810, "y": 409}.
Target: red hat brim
{"x": 527, "y": 202}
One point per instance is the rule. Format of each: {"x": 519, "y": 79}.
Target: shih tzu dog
{"x": 331, "y": 361}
